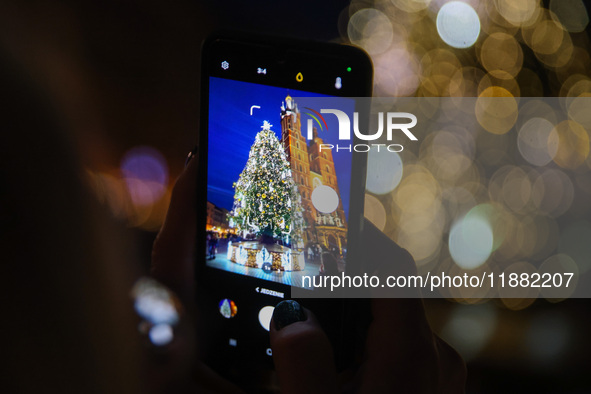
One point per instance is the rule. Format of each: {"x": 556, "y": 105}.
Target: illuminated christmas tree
{"x": 266, "y": 200}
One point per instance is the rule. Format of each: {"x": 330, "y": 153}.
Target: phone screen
{"x": 276, "y": 202}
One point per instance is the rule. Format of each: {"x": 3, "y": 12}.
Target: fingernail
{"x": 287, "y": 312}
{"x": 191, "y": 155}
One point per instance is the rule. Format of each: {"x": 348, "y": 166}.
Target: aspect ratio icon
{"x": 225, "y": 65}
{"x": 261, "y": 70}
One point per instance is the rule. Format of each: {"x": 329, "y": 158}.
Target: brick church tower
{"x": 311, "y": 168}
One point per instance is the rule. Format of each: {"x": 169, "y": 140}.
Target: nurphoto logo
{"x": 391, "y": 119}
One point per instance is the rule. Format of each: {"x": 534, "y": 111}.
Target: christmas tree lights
{"x": 266, "y": 199}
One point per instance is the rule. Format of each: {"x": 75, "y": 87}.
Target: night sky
{"x": 232, "y": 131}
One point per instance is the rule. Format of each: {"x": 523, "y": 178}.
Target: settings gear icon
{"x": 225, "y": 65}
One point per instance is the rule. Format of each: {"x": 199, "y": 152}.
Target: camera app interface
{"x": 277, "y": 198}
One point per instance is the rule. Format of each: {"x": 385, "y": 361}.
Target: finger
{"x": 303, "y": 357}
{"x": 173, "y": 256}
{"x": 389, "y": 259}
{"x": 385, "y": 258}
{"x": 173, "y": 252}
{"x": 452, "y": 377}
{"x": 400, "y": 351}
{"x": 209, "y": 381}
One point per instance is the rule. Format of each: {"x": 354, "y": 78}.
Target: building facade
{"x": 311, "y": 168}
{"x": 217, "y": 220}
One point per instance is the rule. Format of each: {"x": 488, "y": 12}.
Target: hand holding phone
{"x": 242, "y": 276}
{"x": 400, "y": 350}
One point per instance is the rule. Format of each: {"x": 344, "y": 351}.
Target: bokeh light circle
{"x": 518, "y": 13}
{"x": 161, "y": 334}
{"x": 374, "y": 211}
{"x": 573, "y": 144}
{"x": 558, "y": 266}
{"x": 145, "y": 173}
{"x": 471, "y": 241}
{"x": 571, "y": 14}
{"x": 371, "y": 29}
{"x": 546, "y": 37}
{"x": 537, "y": 141}
{"x": 396, "y": 72}
{"x": 553, "y": 192}
{"x": 458, "y": 24}
{"x": 411, "y": 5}
{"x": 501, "y": 51}
{"x": 384, "y": 171}
{"x": 496, "y": 110}
{"x": 470, "y": 328}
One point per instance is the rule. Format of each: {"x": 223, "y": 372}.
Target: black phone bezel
{"x": 320, "y": 63}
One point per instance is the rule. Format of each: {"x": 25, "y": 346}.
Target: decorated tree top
{"x": 265, "y": 191}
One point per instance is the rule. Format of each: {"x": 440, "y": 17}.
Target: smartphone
{"x": 259, "y": 230}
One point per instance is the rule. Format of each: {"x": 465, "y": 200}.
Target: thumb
{"x": 173, "y": 252}
{"x": 301, "y": 351}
